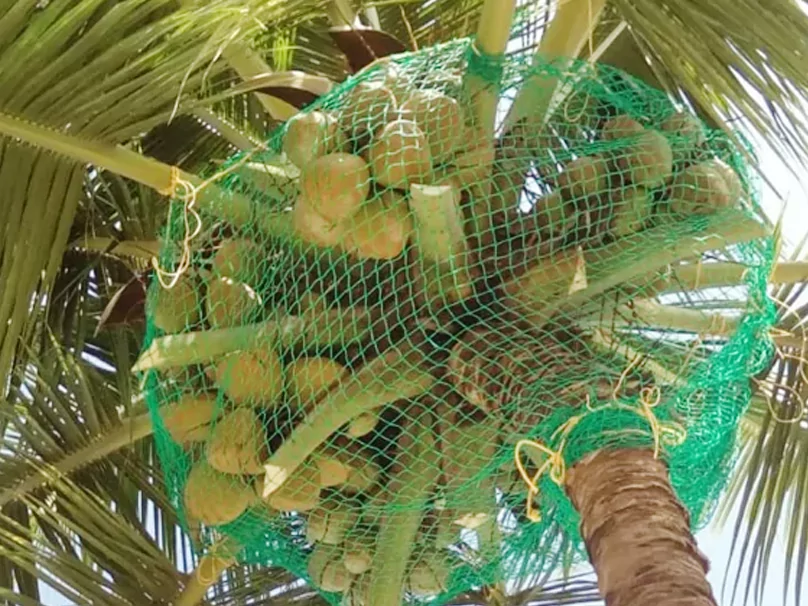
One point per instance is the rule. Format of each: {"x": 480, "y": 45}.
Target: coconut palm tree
{"x": 100, "y": 99}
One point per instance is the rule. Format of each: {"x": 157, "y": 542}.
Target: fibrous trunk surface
{"x": 636, "y": 532}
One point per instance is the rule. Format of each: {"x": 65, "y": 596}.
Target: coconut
{"x": 330, "y": 522}
{"x": 686, "y": 133}
{"x": 300, "y": 491}
{"x": 631, "y": 208}
{"x": 254, "y": 377}
{"x": 238, "y": 259}
{"x": 362, "y": 477}
{"x": 620, "y": 127}
{"x": 699, "y": 189}
{"x": 357, "y": 551}
{"x": 379, "y": 230}
{"x": 326, "y": 570}
{"x": 368, "y": 107}
{"x": 333, "y": 470}
{"x": 197, "y": 434}
{"x": 238, "y": 443}
{"x": 313, "y": 228}
{"x": 399, "y": 155}
{"x": 175, "y": 309}
{"x": 731, "y": 178}
{"x": 440, "y": 119}
{"x": 358, "y": 594}
{"x": 189, "y": 413}
{"x": 428, "y": 576}
{"x": 309, "y": 378}
{"x": 472, "y": 166}
{"x": 230, "y": 303}
{"x": 584, "y": 177}
{"x": 215, "y": 498}
{"x": 335, "y": 185}
{"x": 312, "y": 135}
{"x": 648, "y": 162}
{"x": 363, "y": 424}
{"x": 556, "y": 214}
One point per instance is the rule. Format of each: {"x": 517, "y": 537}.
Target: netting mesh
{"x": 382, "y": 303}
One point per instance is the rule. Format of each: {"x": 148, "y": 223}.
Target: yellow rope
{"x": 169, "y": 279}
{"x": 186, "y": 192}
{"x": 670, "y": 434}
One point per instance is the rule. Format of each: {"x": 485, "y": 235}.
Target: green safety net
{"x": 361, "y": 321}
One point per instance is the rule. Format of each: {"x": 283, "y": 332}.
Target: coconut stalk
{"x": 649, "y": 314}
{"x": 636, "y": 531}
{"x": 417, "y": 472}
{"x": 207, "y": 572}
{"x": 400, "y": 372}
{"x": 329, "y": 326}
{"x": 694, "y": 276}
{"x": 566, "y": 35}
{"x": 491, "y": 40}
{"x": 441, "y": 242}
{"x": 545, "y": 288}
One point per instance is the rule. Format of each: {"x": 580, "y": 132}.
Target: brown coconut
{"x": 472, "y": 166}
{"x": 313, "y": 228}
{"x": 699, "y": 189}
{"x": 335, "y": 185}
{"x": 175, "y": 309}
{"x": 363, "y": 424}
{"x": 358, "y": 594}
{"x": 367, "y": 108}
{"x": 254, "y": 377}
{"x": 230, "y": 303}
{"x": 648, "y": 161}
{"x": 620, "y": 127}
{"x": 326, "y": 570}
{"x": 215, "y": 498}
{"x": 439, "y": 117}
{"x": 687, "y": 135}
{"x": 584, "y": 177}
{"x": 188, "y": 414}
{"x": 357, "y": 550}
{"x": 330, "y": 522}
{"x": 429, "y": 575}
{"x": 363, "y": 476}
{"x": 300, "y": 491}
{"x": 312, "y": 135}
{"x": 307, "y": 379}
{"x": 555, "y": 214}
{"x": 399, "y": 155}
{"x": 238, "y": 444}
{"x": 631, "y": 208}
{"x": 731, "y": 178}
{"x": 378, "y": 230}
{"x": 238, "y": 259}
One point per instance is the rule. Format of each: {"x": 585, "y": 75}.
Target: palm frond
{"x": 732, "y": 59}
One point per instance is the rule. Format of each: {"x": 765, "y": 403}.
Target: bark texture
{"x": 636, "y": 532}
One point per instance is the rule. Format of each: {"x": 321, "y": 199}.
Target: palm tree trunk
{"x": 636, "y": 532}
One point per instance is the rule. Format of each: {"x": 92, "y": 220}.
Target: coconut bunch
{"x": 378, "y": 546}
{"x": 604, "y": 182}
{"x": 344, "y": 367}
